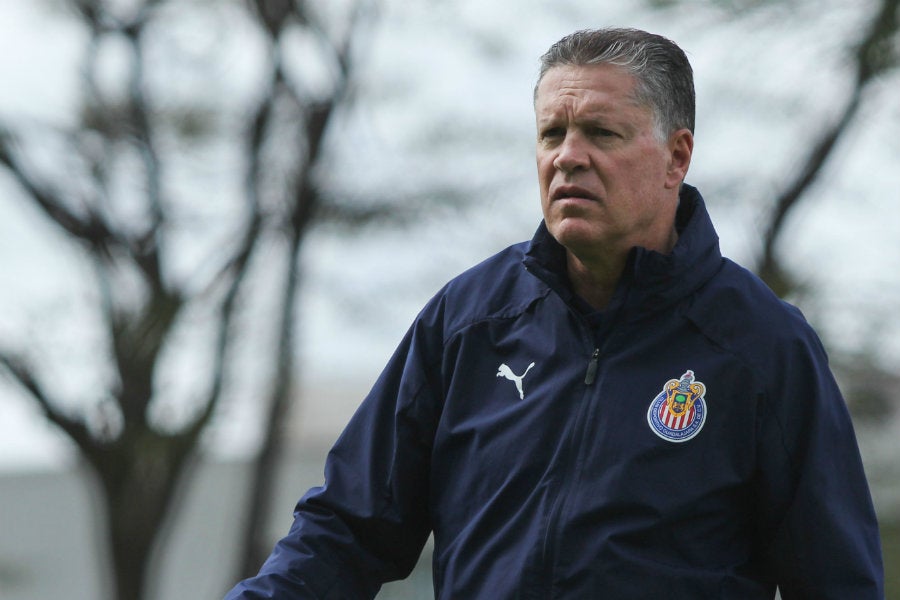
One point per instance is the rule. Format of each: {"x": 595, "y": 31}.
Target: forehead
{"x": 592, "y": 87}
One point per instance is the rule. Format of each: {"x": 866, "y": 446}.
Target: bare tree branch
{"x": 139, "y": 113}
{"x": 238, "y": 267}
{"x": 306, "y": 198}
{"x": 357, "y": 211}
{"x": 24, "y": 376}
{"x": 875, "y": 55}
{"x": 91, "y": 229}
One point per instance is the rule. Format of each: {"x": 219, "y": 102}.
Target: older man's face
{"x": 607, "y": 183}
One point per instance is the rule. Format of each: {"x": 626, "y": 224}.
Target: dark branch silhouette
{"x": 875, "y": 55}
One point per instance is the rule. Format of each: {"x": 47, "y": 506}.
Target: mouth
{"x": 565, "y": 192}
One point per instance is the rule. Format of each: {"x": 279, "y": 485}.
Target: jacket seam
{"x": 503, "y": 316}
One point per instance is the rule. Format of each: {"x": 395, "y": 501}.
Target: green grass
{"x": 890, "y": 544}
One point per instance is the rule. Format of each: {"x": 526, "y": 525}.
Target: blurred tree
{"x": 113, "y": 190}
{"x": 875, "y": 55}
{"x": 867, "y": 385}
{"x": 307, "y": 117}
{"x": 137, "y": 460}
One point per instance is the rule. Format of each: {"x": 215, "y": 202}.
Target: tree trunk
{"x": 138, "y": 488}
{"x": 255, "y": 542}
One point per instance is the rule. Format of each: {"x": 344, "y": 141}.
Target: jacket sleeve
{"x": 818, "y": 527}
{"x": 369, "y": 521}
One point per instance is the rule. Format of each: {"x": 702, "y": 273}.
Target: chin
{"x": 573, "y": 234}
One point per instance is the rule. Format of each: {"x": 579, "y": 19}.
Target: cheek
{"x": 545, "y": 205}
{"x": 545, "y": 172}
{"x": 647, "y": 169}
{"x": 630, "y": 183}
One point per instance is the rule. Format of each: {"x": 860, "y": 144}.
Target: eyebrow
{"x": 592, "y": 116}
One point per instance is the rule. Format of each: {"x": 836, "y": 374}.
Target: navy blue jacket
{"x": 688, "y": 442}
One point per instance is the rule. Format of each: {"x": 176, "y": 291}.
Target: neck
{"x": 595, "y": 278}
{"x": 596, "y": 282}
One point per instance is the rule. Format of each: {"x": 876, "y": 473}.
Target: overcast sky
{"x": 763, "y": 83}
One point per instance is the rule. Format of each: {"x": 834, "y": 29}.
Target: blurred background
{"x": 218, "y": 217}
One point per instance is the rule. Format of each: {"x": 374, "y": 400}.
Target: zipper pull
{"x": 591, "y": 373}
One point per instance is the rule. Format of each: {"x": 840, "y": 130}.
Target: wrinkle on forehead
{"x": 579, "y": 95}
{"x": 580, "y": 83}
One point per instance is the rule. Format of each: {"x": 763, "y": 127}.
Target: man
{"x": 612, "y": 410}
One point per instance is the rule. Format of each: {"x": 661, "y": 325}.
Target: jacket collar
{"x": 651, "y": 281}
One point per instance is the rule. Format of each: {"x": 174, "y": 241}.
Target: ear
{"x": 680, "y": 147}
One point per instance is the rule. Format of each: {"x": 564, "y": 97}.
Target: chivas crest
{"x": 677, "y": 414}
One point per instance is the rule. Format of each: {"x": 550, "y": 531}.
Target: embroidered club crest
{"x": 677, "y": 414}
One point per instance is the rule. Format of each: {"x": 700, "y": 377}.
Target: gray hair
{"x": 664, "y": 78}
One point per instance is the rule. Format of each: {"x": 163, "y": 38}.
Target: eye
{"x": 552, "y": 133}
{"x": 602, "y": 132}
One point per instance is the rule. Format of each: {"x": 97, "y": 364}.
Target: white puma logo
{"x": 505, "y": 371}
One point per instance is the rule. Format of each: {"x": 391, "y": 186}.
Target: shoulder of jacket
{"x": 738, "y": 311}
{"x": 496, "y": 288}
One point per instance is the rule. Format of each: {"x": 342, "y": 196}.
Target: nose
{"x": 571, "y": 154}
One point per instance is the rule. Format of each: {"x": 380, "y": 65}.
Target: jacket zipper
{"x": 548, "y": 554}
{"x": 591, "y": 373}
